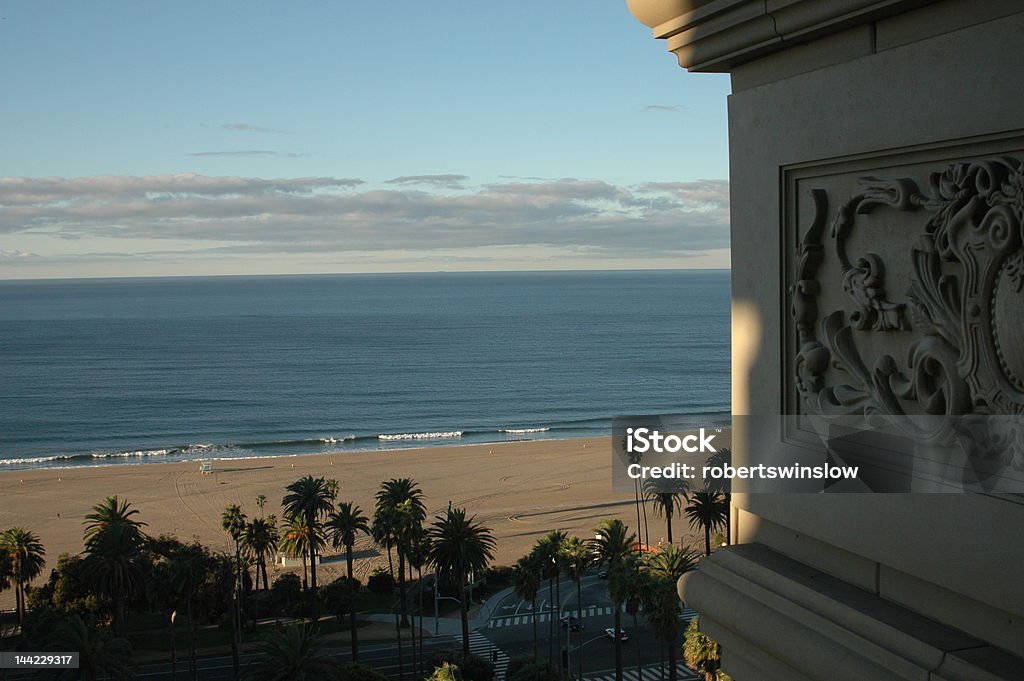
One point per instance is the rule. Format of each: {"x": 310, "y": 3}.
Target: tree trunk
{"x": 728, "y": 519}
{"x": 533, "y": 604}
{"x": 579, "y": 634}
{"x": 402, "y": 606}
{"x": 191, "y": 640}
{"x": 412, "y": 631}
{"x": 398, "y": 633}
{"x": 668, "y": 521}
{"x": 464, "y": 613}
{"x": 352, "y": 610}
{"x": 618, "y": 641}
{"x": 312, "y": 556}
{"x": 551, "y": 621}
{"x": 639, "y": 659}
{"x": 647, "y": 528}
{"x": 419, "y": 572}
{"x": 707, "y": 540}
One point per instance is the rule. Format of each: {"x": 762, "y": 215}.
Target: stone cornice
{"x": 752, "y": 599}
{"x": 716, "y": 35}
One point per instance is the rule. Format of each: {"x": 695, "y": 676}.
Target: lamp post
{"x": 580, "y": 661}
{"x": 438, "y": 598}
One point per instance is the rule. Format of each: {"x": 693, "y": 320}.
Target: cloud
{"x": 246, "y": 127}
{"x": 450, "y": 181}
{"x": 240, "y": 152}
{"x": 249, "y": 152}
{"x": 663, "y": 107}
{"x": 16, "y": 254}
{"x": 324, "y": 214}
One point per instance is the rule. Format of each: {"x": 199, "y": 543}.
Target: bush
{"x": 360, "y": 672}
{"x": 499, "y": 575}
{"x": 380, "y": 582}
{"x": 285, "y": 591}
{"x": 338, "y": 597}
{"x": 305, "y": 607}
{"x": 472, "y": 668}
{"x": 528, "y": 669}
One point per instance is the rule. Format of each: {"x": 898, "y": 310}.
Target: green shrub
{"x": 472, "y": 668}
{"x": 381, "y": 582}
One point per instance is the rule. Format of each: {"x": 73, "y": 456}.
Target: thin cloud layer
{"x": 246, "y": 127}
{"x": 451, "y": 181}
{"x": 317, "y": 214}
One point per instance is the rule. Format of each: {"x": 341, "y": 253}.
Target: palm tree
{"x": 261, "y": 501}
{"x": 628, "y": 584}
{"x": 342, "y": 527}
{"x": 233, "y": 521}
{"x": 460, "y": 546}
{"x": 111, "y": 511}
{"x": 405, "y": 496}
{"x": 576, "y": 557}
{"x": 548, "y": 550}
{"x": 100, "y": 653}
{"x": 114, "y": 542}
{"x": 662, "y": 604}
{"x": 613, "y": 542}
{"x": 260, "y": 540}
{"x": 188, "y": 568}
{"x": 723, "y": 487}
{"x": 6, "y": 568}
{"x": 26, "y": 556}
{"x": 312, "y": 499}
{"x": 526, "y": 581}
{"x": 298, "y": 539}
{"x": 708, "y": 510}
{"x": 292, "y": 654}
{"x": 668, "y": 495}
{"x": 114, "y": 567}
{"x": 419, "y": 556}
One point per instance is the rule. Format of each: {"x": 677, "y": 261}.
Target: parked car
{"x": 610, "y": 633}
{"x": 572, "y": 623}
{"x": 603, "y": 574}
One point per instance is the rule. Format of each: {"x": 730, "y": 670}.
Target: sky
{"x": 198, "y": 138}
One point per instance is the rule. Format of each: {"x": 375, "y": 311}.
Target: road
{"x": 511, "y": 629}
{"x": 382, "y": 657}
{"x": 509, "y": 632}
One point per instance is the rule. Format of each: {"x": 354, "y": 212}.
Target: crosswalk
{"x": 479, "y": 645}
{"x": 593, "y": 611}
{"x": 651, "y": 672}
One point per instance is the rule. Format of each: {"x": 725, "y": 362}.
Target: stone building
{"x": 877, "y": 200}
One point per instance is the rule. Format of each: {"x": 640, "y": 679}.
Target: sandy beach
{"x": 520, "y": 490}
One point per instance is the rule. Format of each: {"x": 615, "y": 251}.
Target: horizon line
{"x": 358, "y": 274}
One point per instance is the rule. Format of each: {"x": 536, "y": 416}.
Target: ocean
{"x": 115, "y": 371}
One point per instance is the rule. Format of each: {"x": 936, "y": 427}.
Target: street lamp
{"x": 438, "y": 598}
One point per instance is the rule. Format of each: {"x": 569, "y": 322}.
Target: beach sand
{"x": 520, "y": 490}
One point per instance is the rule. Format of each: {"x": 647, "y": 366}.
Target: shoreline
{"x": 520, "y": 490}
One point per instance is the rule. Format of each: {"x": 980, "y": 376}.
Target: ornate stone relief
{"x": 949, "y": 345}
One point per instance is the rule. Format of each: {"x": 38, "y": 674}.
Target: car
{"x": 603, "y": 574}
{"x": 610, "y": 633}
{"x": 572, "y": 623}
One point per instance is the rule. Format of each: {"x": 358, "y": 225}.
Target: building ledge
{"x": 717, "y": 35}
{"x": 816, "y": 627}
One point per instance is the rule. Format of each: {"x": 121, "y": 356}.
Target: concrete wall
{"x": 926, "y": 98}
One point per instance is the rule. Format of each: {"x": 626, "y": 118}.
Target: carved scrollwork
{"x": 961, "y": 320}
